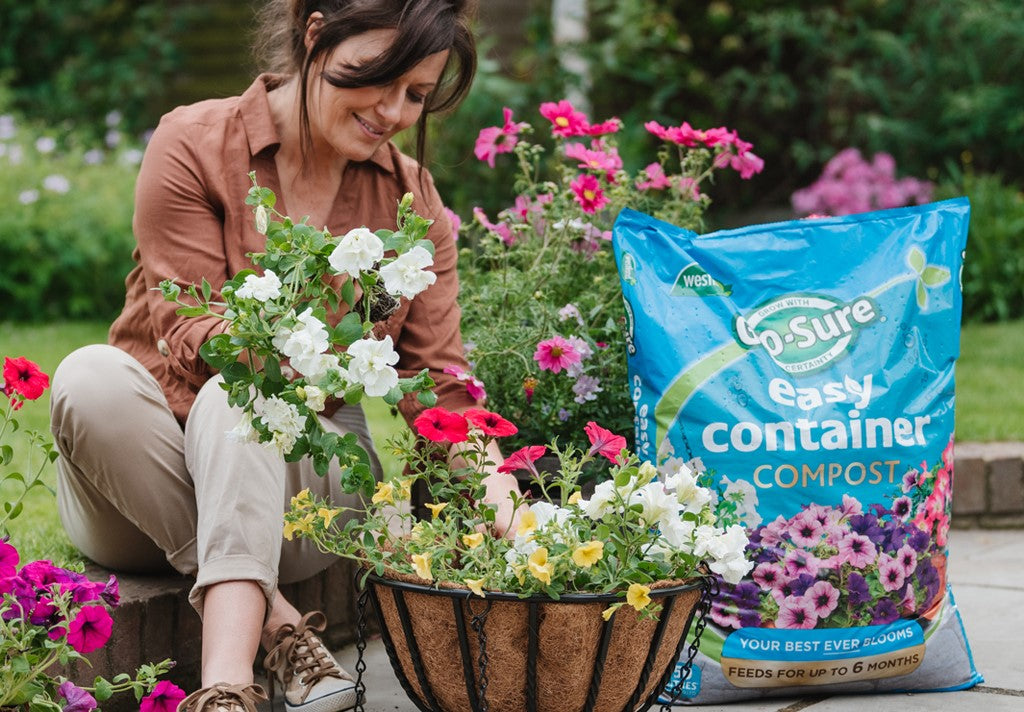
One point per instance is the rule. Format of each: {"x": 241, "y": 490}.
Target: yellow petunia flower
{"x": 539, "y": 566}
{"x": 435, "y": 508}
{"x": 385, "y": 493}
{"x": 422, "y": 564}
{"x": 417, "y": 531}
{"x": 527, "y": 523}
{"x": 403, "y": 488}
{"x": 474, "y": 540}
{"x": 476, "y": 586}
{"x": 327, "y": 515}
{"x": 302, "y": 526}
{"x": 610, "y": 610}
{"x": 301, "y": 499}
{"x": 586, "y": 555}
{"x": 575, "y": 497}
{"x": 638, "y": 596}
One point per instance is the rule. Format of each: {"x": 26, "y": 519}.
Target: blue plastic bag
{"x": 809, "y": 365}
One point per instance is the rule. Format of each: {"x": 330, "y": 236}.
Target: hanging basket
{"x": 454, "y": 652}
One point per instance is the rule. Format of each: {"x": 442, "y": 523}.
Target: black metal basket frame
{"x": 462, "y": 604}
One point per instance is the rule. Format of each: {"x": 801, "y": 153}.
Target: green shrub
{"x": 77, "y": 60}
{"x": 65, "y": 236}
{"x": 993, "y": 276}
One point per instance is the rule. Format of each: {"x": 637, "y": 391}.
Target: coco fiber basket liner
{"x": 433, "y": 638}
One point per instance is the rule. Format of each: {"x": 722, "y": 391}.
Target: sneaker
{"x": 311, "y": 678}
{"x": 222, "y": 697}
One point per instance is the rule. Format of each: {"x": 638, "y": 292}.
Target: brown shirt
{"x": 191, "y": 222}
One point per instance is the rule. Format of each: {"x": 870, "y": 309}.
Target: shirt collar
{"x": 259, "y": 124}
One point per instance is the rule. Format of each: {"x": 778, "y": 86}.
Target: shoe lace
{"x": 297, "y": 651}
{"x": 221, "y": 694}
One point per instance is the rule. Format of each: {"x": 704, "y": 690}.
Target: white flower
{"x": 113, "y": 118}
{"x": 309, "y": 339}
{"x": 586, "y": 388}
{"x": 56, "y": 183}
{"x": 45, "y": 144}
{"x": 602, "y": 501}
{"x": 727, "y": 552}
{"x": 357, "y": 250}
{"x": 131, "y": 157}
{"x": 7, "y": 127}
{"x": 92, "y": 157}
{"x": 27, "y": 197}
{"x": 371, "y": 365}
{"x": 745, "y": 496}
{"x": 112, "y": 138}
{"x": 283, "y": 421}
{"x": 678, "y": 534}
{"x": 657, "y": 504}
{"x": 262, "y": 219}
{"x": 243, "y": 432}
{"x": 407, "y": 274}
{"x": 315, "y": 367}
{"x": 570, "y": 311}
{"x": 260, "y": 288}
{"x": 315, "y": 398}
{"x": 15, "y": 155}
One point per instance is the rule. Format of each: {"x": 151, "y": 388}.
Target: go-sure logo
{"x": 805, "y": 332}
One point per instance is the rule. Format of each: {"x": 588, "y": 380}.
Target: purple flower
{"x": 918, "y": 539}
{"x": 867, "y": 526}
{"x": 857, "y": 589}
{"x": 8, "y": 560}
{"x": 750, "y": 619}
{"x": 901, "y": 507}
{"x": 78, "y": 700}
{"x": 885, "y": 612}
{"x": 801, "y": 583}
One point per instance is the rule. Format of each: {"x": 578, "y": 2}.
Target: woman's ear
{"x": 314, "y": 24}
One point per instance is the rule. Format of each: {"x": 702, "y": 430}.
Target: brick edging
{"x": 988, "y": 485}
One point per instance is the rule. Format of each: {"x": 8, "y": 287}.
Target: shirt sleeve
{"x": 179, "y": 228}
{"x": 431, "y": 336}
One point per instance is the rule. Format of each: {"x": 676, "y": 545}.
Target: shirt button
{"x": 162, "y": 347}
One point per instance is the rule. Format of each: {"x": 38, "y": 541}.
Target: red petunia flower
{"x": 523, "y": 459}
{"x": 90, "y": 630}
{"x": 604, "y": 442}
{"x": 490, "y": 423}
{"x": 23, "y": 378}
{"x": 442, "y": 425}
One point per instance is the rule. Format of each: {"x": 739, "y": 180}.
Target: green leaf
{"x": 349, "y": 329}
{"x": 393, "y": 396}
{"x": 103, "y": 690}
{"x": 427, "y": 398}
{"x": 207, "y": 290}
{"x": 348, "y": 292}
{"x": 935, "y": 276}
{"x": 916, "y": 259}
{"x": 170, "y": 290}
{"x": 190, "y": 311}
{"x": 272, "y": 369}
{"x": 6, "y": 454}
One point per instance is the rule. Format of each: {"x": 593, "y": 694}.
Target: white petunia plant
{"x": 299, "y": 331}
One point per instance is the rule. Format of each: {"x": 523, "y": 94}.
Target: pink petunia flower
{"x": 799, "y": 562}
{"x": 164, "y": 698}
{"x": 555, "y": 354}
{"x": 796, "y": 613}
{"x": 890, "y": 573}
{"x": 498, "y": 139}
{"x": 440, "y": 425}
{"x": 907, "y": 558}
{"x": 501, "y": 229}
{"x": 768, "y": 576}
{"x": 523, "y": 459}
{"x": 565, "y": 119}
{"x": 805, "y": 530}
{"x": 857, "y": 550}
{"x": 747, "y": 164}
{"x": 824, "y": 597}
{"x": 589, "y": 193}
{"x": 90, "y": 630}
{"x": 604, "y": 442}
{"x": 456, "y": 222}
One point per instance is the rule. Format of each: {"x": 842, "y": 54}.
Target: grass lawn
{"x": 990, "y": 407}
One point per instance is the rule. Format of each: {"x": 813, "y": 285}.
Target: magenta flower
{"x": 474, "y": 386}
{"x": 857, "y": 550}
{"x": 610, "y": 126}
{"x": 594, "y": 158}
{"x": 890, "y": 573}
{"x": 799, "y": 562}
{"x": 565, "y": 119}
{"x": 555, "y": 354}
{"x": 440, "y": 425}
{"x": 498, "y": 139}
{"x": 604, "y": 442}
{"x": 824, "y": 597}
{"x": 78, "y": 700}
{"x": 456, "y": 222}
{"x": 796, "y": 612}
{"x": 90, "y": 630}
{"x": 164, "y": 698}
{"x": 523, "y": 459}
{"x": 8, "y": 560}
{"x": 490, "y": 423}
{"x": 747, "y": 164}
{"x": 501, "y": 229}
{"x": 589, "y": 193}
{"x": 655, "y": 178}
{"x": 23, "y": 381}
{"x": 768, "y": 576}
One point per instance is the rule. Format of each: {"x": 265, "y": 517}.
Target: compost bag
{"x": 809, "y": 366}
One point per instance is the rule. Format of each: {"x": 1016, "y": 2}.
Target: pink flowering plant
{"x": 844, "y": 566}
{"x": 639, "y": 526}
{"x": 542, "y": 310}
{"x": 50, "y": 616}
{"x": 288, "y": 352}
{"x": 851, "y": 184}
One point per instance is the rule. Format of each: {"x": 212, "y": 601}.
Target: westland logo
{"x": 693, "y": 281}
{"x": 805, "y": 332}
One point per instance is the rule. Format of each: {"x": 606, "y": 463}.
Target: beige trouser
{"x": 135, "y": 493}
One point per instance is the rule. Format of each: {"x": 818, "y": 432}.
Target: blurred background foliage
{"x": 935, "y": 84}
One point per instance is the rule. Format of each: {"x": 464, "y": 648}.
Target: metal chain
{"x": 477, "y": 624}
{"x": 709, "y": 591}
{"x": 364, "y": 595}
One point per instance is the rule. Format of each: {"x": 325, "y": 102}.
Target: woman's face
{"x": 353, "y": 123}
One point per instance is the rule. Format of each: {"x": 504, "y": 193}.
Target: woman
{"x": 146, "y": 476}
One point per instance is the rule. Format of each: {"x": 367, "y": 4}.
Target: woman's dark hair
{"x": 423, "y": 27}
